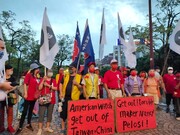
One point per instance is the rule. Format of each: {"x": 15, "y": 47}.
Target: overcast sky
{"x": 63, "y": 15}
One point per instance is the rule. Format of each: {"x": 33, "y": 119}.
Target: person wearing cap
{"x": 69, "y": 90}
{"x": 47, "y": 85}
{"x": 169, "y": 82}
{"x": 100, "y": 81}
{"x": 91, "y": 83}
{"x": 10, "y": 78}
{"x": 114, "y": 81}
{"x": 177, "y": 95}
{"x": 30, "y": 85}
{"x": 4, "y": 87}
{"x": 133, "y": 84}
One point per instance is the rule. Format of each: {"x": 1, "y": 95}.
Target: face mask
{"x": 114, "y": 67}
{"x": 91, "y": 70}
{"x": 50, "y": 74}
{"x": 71, "y": 71}
{"x": 151, "y": 74}
{"x": 1, "y": 54}
{"x": 142, "y": 75}
{"x": 170, "y": 71}
{"x": 133, "y": 73}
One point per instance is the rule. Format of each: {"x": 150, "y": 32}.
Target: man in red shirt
{"x": 170, "y": 82}
{"x": 114, "y": 81}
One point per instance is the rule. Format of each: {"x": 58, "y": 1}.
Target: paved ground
{"x": 167, "y": 125}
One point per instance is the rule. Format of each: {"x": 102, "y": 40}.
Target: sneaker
{"x": 49, "y": 130}
{"x": 177, "y": 118}
{"x": 39, "y": 132}
{"x": 18, "y": 131}
{"x": 10, "y": 129}
{"x": 30, "y": 127}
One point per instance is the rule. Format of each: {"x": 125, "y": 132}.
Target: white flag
{"x": 122, "y": 38}
{"x": 5, "y": 56}
{"x": 49, "y": 48}
{"x": 174, "y": 39}
{"x": 131, "y": 59}
{"x": 102, "y": 40}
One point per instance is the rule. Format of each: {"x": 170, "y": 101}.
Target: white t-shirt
{"x": 3, "y": 94}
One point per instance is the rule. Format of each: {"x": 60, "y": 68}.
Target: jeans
{"x": 28, "y": 107}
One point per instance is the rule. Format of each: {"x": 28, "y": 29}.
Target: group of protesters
{"x": 75, "y": 85}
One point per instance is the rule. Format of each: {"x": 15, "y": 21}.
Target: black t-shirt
{"x": 11, "y": 79}
{"x": 69, "y": 86}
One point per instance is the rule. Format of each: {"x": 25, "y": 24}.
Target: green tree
{"x": 65, "y": 52}
{"x": 18, "y": 38}
{"x": 164, "y": 22}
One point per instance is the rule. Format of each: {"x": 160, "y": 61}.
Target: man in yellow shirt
{"x": 91, "y": 83}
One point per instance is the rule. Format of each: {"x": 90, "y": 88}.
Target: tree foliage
{"x": 65, "y": 53}
{"x": 164, "y": 22}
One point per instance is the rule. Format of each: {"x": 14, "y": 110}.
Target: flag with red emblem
{"x": 87, "y": 48}
{"x": 77, "y": 46}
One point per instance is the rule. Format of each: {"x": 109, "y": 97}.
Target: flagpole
{"x": 151, "y": 40}
{"x": 165, "y": 63}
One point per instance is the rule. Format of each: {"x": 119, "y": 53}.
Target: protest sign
{"x": 134, "y": 113}
{"x": 90, "y": 117}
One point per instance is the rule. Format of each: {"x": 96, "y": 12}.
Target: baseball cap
{"x": 73, "y": 65}
{"x": 34, "y": 66}
{"x": 114, "y": 61}
{"x": 91, "y": 63}
{"x": 170, "y": 68}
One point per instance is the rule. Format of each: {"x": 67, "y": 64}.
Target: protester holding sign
{"x": 12, "y": 98}
{"x": 91, "y": 83}
{"x": 47, "y": 85}
{"x": 133, "y": 84}
{"x": 30, "y": 85}
{"x": 69, "y": 90}
{"x": 114, "y": 81}
{"x": 4, "y": 86}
